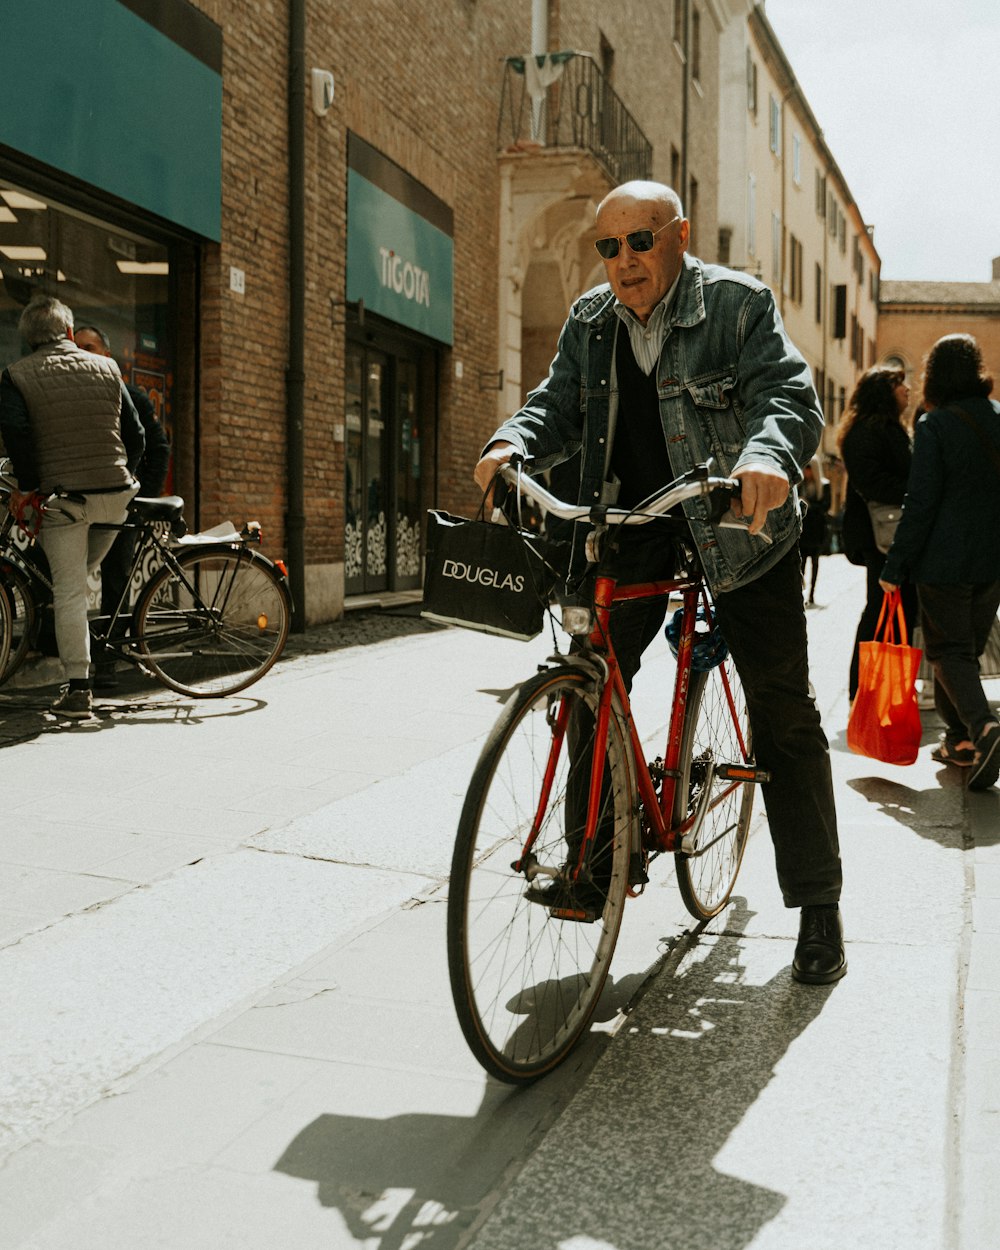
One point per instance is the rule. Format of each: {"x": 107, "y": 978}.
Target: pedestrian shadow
{"x": 630, "y": 1163}
{"x": 938, "y": 814}
{"x": 24, "y": 718}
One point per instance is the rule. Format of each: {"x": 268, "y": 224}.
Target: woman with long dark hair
{"x": 948, "y": 543}
{"x": 875, "y": 449}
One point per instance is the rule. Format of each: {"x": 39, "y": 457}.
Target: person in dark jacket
{"x": 151, "y": 472}
{"x": 815, "y": 495}
{"x": 948, "y": 544}
{"x": 875, "y": 448}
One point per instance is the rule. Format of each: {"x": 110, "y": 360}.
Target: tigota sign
{"x": 404, "y": 277}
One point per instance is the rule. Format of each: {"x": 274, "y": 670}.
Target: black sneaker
{"x": 76, "y": 704}
{"x": 986, "y": 769}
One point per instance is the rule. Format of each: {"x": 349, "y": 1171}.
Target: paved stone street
{"x": 227, "y": 1020}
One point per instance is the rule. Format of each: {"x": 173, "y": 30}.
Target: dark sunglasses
{"x": 638, "y": 241}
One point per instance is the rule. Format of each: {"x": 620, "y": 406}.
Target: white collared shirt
{"x": 647, "y": 340}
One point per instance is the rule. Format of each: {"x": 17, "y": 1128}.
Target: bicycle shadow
{"x": 697, "y": 1051}
{"x": 658, "y": 1102}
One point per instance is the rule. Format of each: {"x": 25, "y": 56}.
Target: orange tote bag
{"x": 885, "y": 720}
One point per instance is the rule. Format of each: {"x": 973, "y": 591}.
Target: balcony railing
{"x": 579, "y": 110}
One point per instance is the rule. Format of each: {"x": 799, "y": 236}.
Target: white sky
{"x": 907, "y": 93}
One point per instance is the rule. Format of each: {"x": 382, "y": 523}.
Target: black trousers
{"x": 764, "y": 625}
{"x": 956, "y": 621}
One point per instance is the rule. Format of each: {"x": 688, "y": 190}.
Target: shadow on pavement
{"x": 424, "y": 1180}
{"x": 929, "y": 813}
{"x": 630, "y": 1163}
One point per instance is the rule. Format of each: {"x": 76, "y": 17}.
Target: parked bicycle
{"x": 562, "y": 794}
{"x": 211, "y": 615}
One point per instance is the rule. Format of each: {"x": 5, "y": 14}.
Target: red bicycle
{"x": 564, "y": 814}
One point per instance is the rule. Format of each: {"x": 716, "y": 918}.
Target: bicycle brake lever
{"x": 722, "y": 515}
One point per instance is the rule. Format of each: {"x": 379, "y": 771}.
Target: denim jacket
{"x": 731, "y": 386}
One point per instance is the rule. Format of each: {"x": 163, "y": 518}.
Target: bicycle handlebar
{"x": 698, "y": 481}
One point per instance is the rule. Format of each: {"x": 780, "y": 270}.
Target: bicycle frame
{"x": 656, "y": 804}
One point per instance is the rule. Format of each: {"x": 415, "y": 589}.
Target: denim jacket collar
{"x": 598, "y": 304}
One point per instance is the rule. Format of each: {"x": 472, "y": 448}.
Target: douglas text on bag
{"x": 485, "y": 576}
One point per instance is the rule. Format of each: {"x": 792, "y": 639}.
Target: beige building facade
{"x": 786, "y": 214}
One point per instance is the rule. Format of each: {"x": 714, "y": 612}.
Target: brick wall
{"x": 421, "y": 83}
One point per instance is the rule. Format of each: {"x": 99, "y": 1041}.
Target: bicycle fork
{"x": 577, "y": 868}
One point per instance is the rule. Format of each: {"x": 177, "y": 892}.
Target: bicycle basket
{"x": 485, "y": 576}
{"x": 709, "y": 649}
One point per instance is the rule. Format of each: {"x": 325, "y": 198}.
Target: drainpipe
{"x": 295, "y": 377}
{"x": 539, "y": 27}
{"x": 539, "y": 47}
{"x": 682, "y": 190}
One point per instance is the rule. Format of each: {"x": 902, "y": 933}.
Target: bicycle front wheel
{"x": 213, "y": 625}
{"x": 524, "y": 981}
{"x": 24, "y": 618}
{"x": 716, "y": 733}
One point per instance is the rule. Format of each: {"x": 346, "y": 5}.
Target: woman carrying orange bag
{"x": 948, "y": 543}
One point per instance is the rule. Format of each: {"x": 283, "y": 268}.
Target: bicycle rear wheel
{"x": 24, "y": 618}
{"x": 6, "y": 625}
{"x": 716, "y": 732}
{"x": 215, "y": 625}
{"x": 526, "y": 983}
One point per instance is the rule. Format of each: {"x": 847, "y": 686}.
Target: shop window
{"x": 110, "y": 277}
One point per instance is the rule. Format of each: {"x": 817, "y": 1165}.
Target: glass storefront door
{"x": 382, "y": 470}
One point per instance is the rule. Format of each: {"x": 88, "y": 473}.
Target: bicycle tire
{"x": 526, "y": 984}
{"x": 24, "y": 618}
{"x": 6, "y": 627}
{"x": 706, "y": 877}
{"x": 217, "y": 628}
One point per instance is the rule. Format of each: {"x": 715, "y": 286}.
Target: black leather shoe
{"x": 819, "y": 953}
{"x": 582, "y": 902}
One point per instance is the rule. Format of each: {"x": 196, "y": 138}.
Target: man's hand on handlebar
{"x": 486, "y": 470}
{"x": 764, "y": 488}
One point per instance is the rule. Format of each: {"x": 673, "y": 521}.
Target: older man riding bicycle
{"x": 671, "y": 362}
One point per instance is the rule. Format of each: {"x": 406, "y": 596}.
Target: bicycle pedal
{"x": 742, "y": 772}
{"x": 582, "y": 915}
{"x": 559, "y": 899}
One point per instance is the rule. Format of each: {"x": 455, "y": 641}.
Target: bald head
{"x": 641, "y": 278}
{"x": 657, "y": 195}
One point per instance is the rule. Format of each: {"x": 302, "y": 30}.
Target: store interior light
{"x": 17, "y": 199}
{"x": 143, "y": 266}
{"x": 22, "y": 253}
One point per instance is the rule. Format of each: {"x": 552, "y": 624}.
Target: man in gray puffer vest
{"x": 72, "y": 433}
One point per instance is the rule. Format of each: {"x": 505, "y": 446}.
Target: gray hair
{"x": 45, "y": 320}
